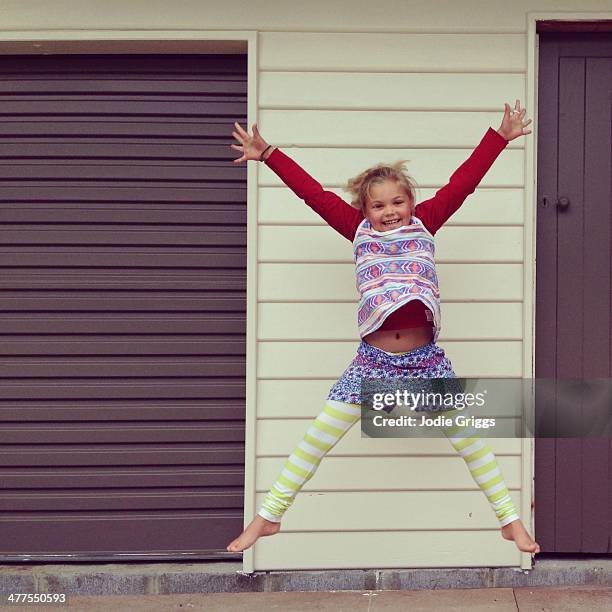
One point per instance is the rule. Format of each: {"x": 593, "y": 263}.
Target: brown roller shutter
{"x": 122, "y": 306}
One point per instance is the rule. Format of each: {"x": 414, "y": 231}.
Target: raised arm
{"x": 447, "y": 200}
{"x": 340, "y": 215}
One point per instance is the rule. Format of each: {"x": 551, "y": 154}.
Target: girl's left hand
{"x": 512, "y": 125}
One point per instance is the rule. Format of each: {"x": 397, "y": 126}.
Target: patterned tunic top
{"x": 393, "y": 268}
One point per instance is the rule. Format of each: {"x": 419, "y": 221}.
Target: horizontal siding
{"x": 414, "y": 51}
{"x": 350, "y": 90}
{"x": 338, "y": 321}
{"x": 486, "y": 206}
{"x": 329, "y": 359}
{"x": 266, "y": 15}
{"x": 473, "y": 244}
{"x": 308, "y": 396}
{"x": 278, "y": 437}
{"x": 405, "y": 511}
{"x": 335, "y": 282}
{"x": 426, "y": 136}
{"x": 338, "y": 109}
{"x": 385, "y": 549}
{"x": 389, "y": 473}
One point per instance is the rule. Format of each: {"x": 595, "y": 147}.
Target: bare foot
{"x": 516, "y": 531}
{"x": 258, "y": 527}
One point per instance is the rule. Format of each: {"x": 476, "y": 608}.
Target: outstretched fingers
{"x": 243, "y": 133}
{"x": 241, "y": 149}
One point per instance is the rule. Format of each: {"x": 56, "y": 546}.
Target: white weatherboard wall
{"x": 338, "y": 103}
{"x": 342, "y": 85}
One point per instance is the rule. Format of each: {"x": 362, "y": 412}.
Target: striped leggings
{"x": 337, "y": 418}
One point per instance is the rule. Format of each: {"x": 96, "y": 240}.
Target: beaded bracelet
{"x": 264, "y": 152}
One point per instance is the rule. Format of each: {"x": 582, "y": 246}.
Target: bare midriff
{"x": 400, "y": 340}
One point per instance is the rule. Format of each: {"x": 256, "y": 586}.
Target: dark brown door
{"x": 573, "y": 494}
{"x": 122, "y": 306}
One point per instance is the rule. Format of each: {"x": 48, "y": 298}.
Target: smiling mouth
{"x": 390, "y": 222}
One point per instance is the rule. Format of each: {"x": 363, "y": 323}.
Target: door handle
{"x": 563, "y": 203}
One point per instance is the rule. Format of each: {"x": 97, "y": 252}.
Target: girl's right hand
{"x": 251, "y": 147}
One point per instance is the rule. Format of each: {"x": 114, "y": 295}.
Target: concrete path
{"x": 525, "y": 599}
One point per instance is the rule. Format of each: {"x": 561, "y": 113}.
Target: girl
{"x": 398, "y": 312}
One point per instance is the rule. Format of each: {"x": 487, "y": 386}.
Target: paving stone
{"x": 435, "y": 578}
{"x": 449, "y": 600}
{"x": 349, "y": 601}
{"x": 203, "y": 582}
{"x": 328, "y": 580}
{"x": 556, "y": 573}
{"x": 17, "y": 579}
{"x": 564, "y": 599}
{"x": 96, "y": 583}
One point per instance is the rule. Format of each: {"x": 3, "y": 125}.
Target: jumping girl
{"x": 398, "y": 312}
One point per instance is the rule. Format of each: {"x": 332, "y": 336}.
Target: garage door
{"x": 122, "y": 306}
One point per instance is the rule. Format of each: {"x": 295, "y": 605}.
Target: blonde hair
{"x": 360, "y": 185}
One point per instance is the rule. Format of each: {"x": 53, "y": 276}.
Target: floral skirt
{"x": 372, "y": 364}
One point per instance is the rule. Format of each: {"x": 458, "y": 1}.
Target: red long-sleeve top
{"x": 433, "y": 212}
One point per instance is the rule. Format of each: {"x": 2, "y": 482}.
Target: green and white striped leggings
{"x": 337, "y": 418}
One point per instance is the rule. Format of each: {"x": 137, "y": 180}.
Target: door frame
{"x": 564, "y": 20}
{"x": 40, "y": 42}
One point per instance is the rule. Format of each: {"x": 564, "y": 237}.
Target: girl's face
{"x": 389, "y": 206}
